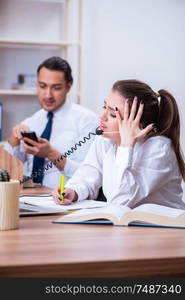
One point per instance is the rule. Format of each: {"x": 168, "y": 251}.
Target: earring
{"x": 155, "y": 128}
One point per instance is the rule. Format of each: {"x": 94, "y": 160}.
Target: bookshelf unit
{"x": 31, "y": 31}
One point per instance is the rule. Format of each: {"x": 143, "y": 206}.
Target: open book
{"x": 143, "y": 215}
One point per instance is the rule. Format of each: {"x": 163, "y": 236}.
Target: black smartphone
{"x": 31, "y": 135}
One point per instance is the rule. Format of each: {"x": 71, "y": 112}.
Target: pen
{"x": 62, "y": 179}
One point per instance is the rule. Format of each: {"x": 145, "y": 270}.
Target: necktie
{"x": 38, "y": 162}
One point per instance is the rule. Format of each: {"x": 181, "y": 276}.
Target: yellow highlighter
{"x": 62, "y": 181}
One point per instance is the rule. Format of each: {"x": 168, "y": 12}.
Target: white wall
{"x": 141, "y": 39}
{"x": 122, "y": 39}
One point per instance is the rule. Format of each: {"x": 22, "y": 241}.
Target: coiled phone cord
{"x": 50, "y": 164}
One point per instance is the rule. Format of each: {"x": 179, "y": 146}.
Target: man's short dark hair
{"x": 56, "y": 63}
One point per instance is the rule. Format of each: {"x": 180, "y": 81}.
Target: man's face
{"x": 52, "y": 89}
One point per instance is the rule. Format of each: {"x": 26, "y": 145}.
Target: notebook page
{"x": 48, "y": 202}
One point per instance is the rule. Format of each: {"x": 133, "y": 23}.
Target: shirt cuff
{"x": 81, "y": 191}
{"x": 124, "y": 157}
{"x": 70, "y": 167}
{"x": 12, "y": 150}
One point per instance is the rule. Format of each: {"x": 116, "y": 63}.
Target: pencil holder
{"x": 9, "y": 201}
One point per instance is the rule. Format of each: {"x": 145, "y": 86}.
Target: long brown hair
{"x": 159, "y": 108}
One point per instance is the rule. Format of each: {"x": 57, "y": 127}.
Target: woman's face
{"x": 109, "y": 122}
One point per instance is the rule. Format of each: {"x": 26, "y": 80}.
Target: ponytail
{"x": 169, "y": 125}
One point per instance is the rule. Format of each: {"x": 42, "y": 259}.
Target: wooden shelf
{"x": 48, "y": 1}
{"x": 31, "y": 92}
{"x": 32, "y": 43}
{"x": 25, "y": 92}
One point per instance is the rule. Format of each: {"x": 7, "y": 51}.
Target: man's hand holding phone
{"x": 30, "y": 135}
{"x": 35, "y": 145}
{"x": 41, "y": 147}
{"x": 38, "y": 146}
{"x": 16, "y": 135}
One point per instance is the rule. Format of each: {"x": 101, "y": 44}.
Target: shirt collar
{"x": 61, "y": 111}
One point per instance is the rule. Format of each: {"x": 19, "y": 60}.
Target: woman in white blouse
{"x": 137, "y": 159}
